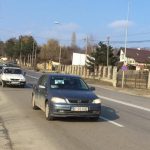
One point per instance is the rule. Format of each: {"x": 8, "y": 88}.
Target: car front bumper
{"x": 81, "y": 110}
{"x": 15, "y": 82}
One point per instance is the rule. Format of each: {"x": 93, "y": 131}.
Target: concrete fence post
{"x": 84, "y": 72}
{"x": 78, "y": 70}
{"x": 95, "y": 72}
{"x": 148, "y": 84}
{"x": 109, "y": 72}
{"x": 69, "y": 71}
{"x": 75, "y": 70}
{"x": 114, "y": 76}
{"x": 87, "y": 73}
{"x": 64, "y": 68}
{"x": 99, "y": 72}
{"x": 104, "y": 72}
{"x": 72, "y": 69}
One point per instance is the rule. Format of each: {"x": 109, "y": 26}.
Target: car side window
{"x": 40, "y": 80}
{"x": 43, "y": 80}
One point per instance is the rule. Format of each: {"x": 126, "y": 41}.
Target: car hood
{"x": 73, "y": 94}
{"x": 13, "y": 76}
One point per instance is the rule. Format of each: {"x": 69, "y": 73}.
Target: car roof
{"x": 62, "y": 75}
{"x": 2, "y": 65}
{"x": 5, "y": 67}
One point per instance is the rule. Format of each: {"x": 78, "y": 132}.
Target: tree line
{"x": 25, "y": 48}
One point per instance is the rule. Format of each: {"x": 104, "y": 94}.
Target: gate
{"x": 133, "y": 79}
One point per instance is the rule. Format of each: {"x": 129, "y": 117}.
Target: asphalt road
{"x": 123, "y": 125}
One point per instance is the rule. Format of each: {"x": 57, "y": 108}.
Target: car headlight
{"x": 96, "y": 101}
{"x": 23, "y": 79}
{"x": 5, "y": 78}
{"x": 58, "y": 100}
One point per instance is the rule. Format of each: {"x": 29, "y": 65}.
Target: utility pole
{"x": 32, "y": 54}
{"x": 20, "y": 61}
{"x": 35, "y": 57}
{"x": 59, "y": 54}
{"x": 126, "y": 38}
{"x": 59, "y": 59}
{"x": 108, "y": 38}
{"x": 86, "y": 49}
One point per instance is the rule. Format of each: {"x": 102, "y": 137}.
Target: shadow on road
{"x": 109, "y": 113}
{"x": 28, "y": 86}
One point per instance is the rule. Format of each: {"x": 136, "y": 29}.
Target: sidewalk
{"x": 131, "y": 91}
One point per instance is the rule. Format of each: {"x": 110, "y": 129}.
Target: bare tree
{"x": 50, "y": 51}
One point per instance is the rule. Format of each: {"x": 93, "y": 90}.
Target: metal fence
{"x": 133, "y": 79}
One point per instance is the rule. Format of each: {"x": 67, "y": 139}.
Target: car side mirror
{"x": 45, "y": 84}
{"x": 92, "y": 88}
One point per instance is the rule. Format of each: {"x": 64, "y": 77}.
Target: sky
{"x": 58, "y": 19}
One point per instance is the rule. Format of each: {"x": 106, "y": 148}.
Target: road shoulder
{"x": 5, "y": 142}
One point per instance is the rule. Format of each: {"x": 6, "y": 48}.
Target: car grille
{"x": 14, "y": 79}
{"x": 79, "y": 101}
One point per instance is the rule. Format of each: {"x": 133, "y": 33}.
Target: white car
{"x": 12, "y": 76}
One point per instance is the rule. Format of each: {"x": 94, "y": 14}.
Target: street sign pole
{"x": 123, "y": 68}
{"x": 122, "y": 83}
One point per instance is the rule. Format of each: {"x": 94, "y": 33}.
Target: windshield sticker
{"x": 59, "y": 81}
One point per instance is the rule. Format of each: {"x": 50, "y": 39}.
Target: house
{"x": 138, "y": 58}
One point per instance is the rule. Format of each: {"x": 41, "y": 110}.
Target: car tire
{"x": 22, "y": 86}
{"x": 95, "y": 118}
{"x": 3, "y": 84}
{"x": 48, "y": 112}
{"x": 33, "y": 103}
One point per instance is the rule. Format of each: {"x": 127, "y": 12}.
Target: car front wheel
{"x": 95, "y": 118}
{"x": 22, "y": 86}
{"x": 3, "y": 84}
{"x": 33, "y": 103}
{"x": 47, "y": 112}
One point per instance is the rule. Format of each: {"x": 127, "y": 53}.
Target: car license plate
{"x": 15, "y": 82}
{"x": 79, "y": 109}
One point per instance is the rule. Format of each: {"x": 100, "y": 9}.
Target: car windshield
{"x": 12, "y": 71}
{"x": 70, "y": 83}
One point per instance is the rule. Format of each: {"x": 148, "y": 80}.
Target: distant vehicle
{"x": 12, "y": 76}
{"x": 1, "y": 66}
{"x": 60, "y": 95}
{"x": 11, "y": 65}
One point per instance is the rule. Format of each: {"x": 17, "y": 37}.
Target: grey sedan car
{"x": 61, "y": 95}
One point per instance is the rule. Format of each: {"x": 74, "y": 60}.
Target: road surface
{"x": 123, "y": 125}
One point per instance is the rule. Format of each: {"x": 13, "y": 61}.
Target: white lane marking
{"x": 112, "y": 122}
{"x": 125, "y": 103}
{"x": 32, "y": 76}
